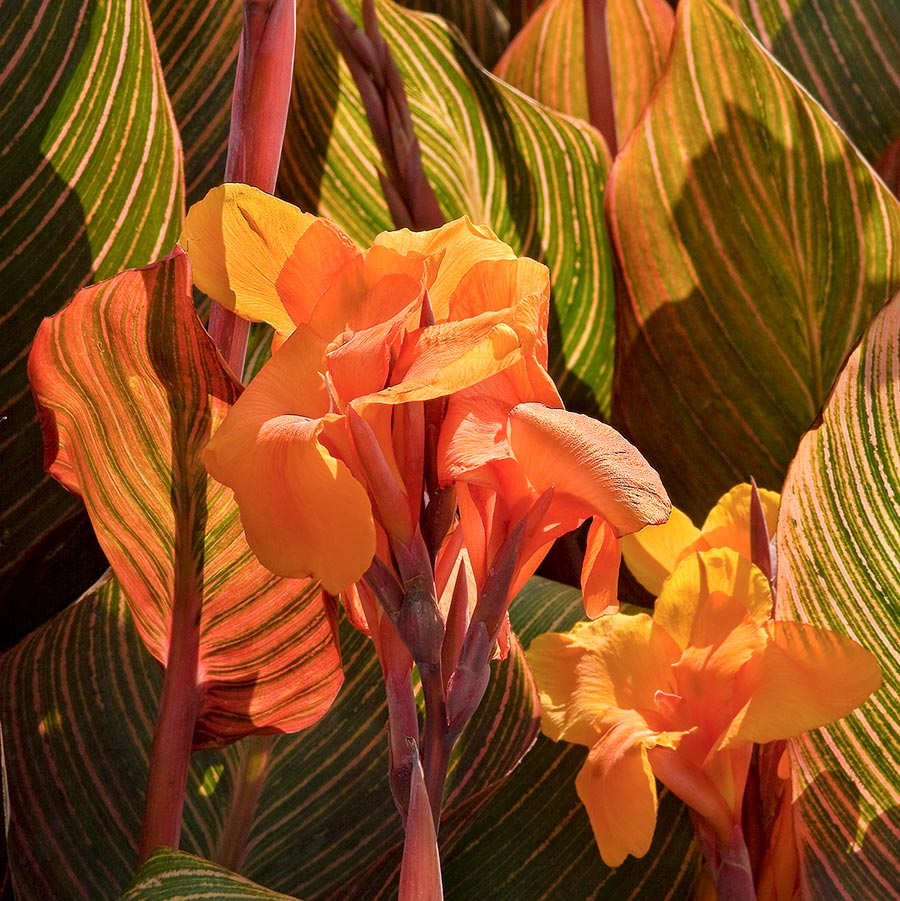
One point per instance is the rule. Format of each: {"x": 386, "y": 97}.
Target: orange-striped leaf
{"x": 78, "y": 700}
{"x": 536, "y": 178}
{"x": 846, "y": 53}
{"x": 547, "y": 62}
{"x": 755, "y": 245}
{"x": 839, "y": 566}
{"x": 129, "y": 388}
{"x": 91, "y": 183}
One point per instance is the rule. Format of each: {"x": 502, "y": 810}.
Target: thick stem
{"x": 256, "y": 751}
{"x": 262, "y": 91}
{"x": 598, "y": 73}
{"x": 173, "y": 738}
{"x": 438, "y": 744}
{"x": 729, "y": 864}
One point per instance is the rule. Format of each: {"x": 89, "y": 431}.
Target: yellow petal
{"x": 589, "y": 462}
{"x": 728, "y": 523}
{"x": 616, "y": 661}
{"x": 456, "y": 244}
{"x": 243, "y": 247}
{"x": 652, "y": 553}
{"x": 710, "y": 594}
{"x": 805, "y": 678}
{"x": 618, "y": 790}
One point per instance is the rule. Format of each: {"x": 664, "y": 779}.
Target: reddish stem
{"x": 598, "y": 72}
{"x": 262, "y": 91}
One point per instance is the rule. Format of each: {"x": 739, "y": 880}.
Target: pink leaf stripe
{"x": 535, "y": 177}
{"x": 839, "y": 566}
{"x": 755, "y": 245}
{"x": 91, "y": 184}
{"x": 130, "y": 388}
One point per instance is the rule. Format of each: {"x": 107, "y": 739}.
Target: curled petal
{"x": 728, "y": 523}
{"x": 588, "y": 462}
{"x": 600, "y": 572}
{"x": 246, "y": 252}
{"x": 805, "y": 677}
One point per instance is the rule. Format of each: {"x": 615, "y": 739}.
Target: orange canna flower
{"x": 333, "y": 423}
{"x": 682, "y": 696}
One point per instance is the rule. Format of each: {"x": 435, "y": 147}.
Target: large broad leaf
{"x": 844, "y": 53}
{"x": 171, "y": 874}
{"x": 77, "y": 706}
{"x": 130, "y": 387}
{"x": 755, "y": 245}
{"x": 91, "y": 184}
{"x": 535, "y": 177}
{"x": 546, "y": 60}
{"x": 839, "y": 566}
{"x": 198, "y": 49}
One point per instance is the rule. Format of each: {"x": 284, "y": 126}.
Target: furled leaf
{"x": 130, "y": 387}
{"x": 546, "y": 60}
{"x": 198, "y": 48}
{"x": 536, "y": 178}
{"x": 844, "y": 53}
{"x": 839, "y": 566}
{"x": 78, "y": 701}
{"x": 171, "y": 874}
{"x": 91, "y": 184}
{"x": 755, "y": 245}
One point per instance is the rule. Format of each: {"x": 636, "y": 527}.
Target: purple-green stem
{"x": 262, "y": 91}
{"x": 256, "y": 752}
{"x": 259, "y": 114}
{"x": 598, "y": 74}
{"x": 729, "y": 864}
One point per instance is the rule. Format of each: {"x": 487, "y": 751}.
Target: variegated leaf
{"x": 755, "y": 245}
{"x": 839, "y": 566}
{"x": 130, "y": 387}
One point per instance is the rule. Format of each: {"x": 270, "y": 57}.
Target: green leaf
{"x": 839, "y": 566}
{"x": 78, "y": 701}
{"x": 171, "y": 874}
{"x": 91, "y": 184}
{"x": 198, "y": 49}
{"x": 129, "y": 388}
{"x": 844, "y": 53}
{"x": 755, "y": 245}
{"x": 535, "y": 177}
{"x": 534, "y": 840}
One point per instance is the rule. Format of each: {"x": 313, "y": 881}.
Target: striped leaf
{"x": 546, "y": 60}
{"x": 534, "y": 839}
{"x": 130, "y": 387}
{"x": 755, "y": 245}
{"x": 846, "y": 53}
{"x": 536, "y": 178}
{"x": 172, "y": 874}
{"x": 91, "y": 184}
{"x": 198, "y": 47}
{"x": 839, "y": 566}
{"x": 78, "y": 701}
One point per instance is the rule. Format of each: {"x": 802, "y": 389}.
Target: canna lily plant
{"x": 329, "y": 461}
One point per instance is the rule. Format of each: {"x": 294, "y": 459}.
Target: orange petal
{"x": 616, "y": 661}
{"x": 618, "y": 790}
{"x": 600, "y": 572}
{"x": 456, "y": 245}
{"x": 805, "y": 678}
{"x": 242, "y": 244}
{"x": 710, "y": 594}
{"x": 652, "y": 553}
{"x": 589, "y": 462}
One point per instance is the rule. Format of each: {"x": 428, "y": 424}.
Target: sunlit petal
{"x": 652, "y": 553}
{"x": 728, "y": 523}
{"x": 600, "y": 571}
